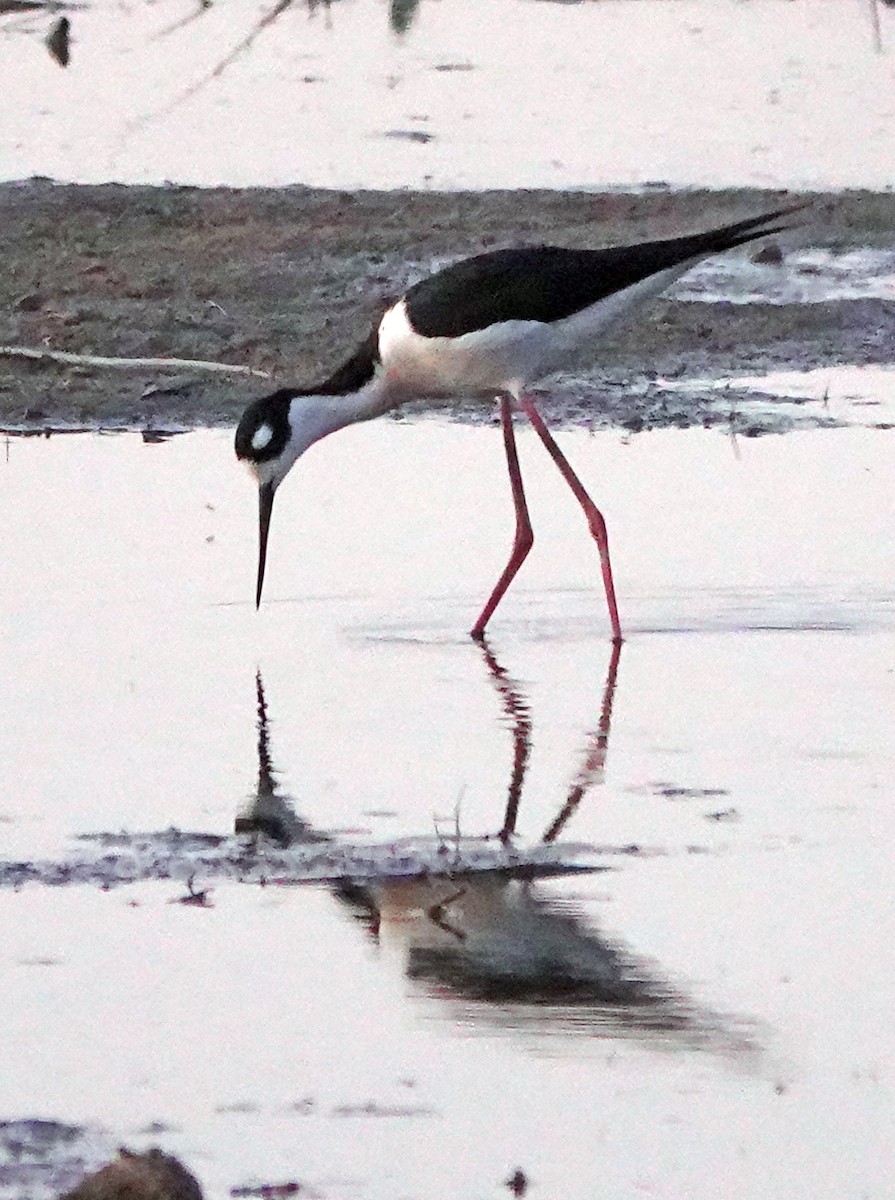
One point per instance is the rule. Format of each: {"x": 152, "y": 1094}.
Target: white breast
{"x": 487, "y": 360}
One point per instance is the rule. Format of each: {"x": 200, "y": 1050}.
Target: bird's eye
{"x": 261, "y": 437}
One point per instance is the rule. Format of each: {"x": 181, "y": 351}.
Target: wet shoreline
{"x": 288, "y": 280}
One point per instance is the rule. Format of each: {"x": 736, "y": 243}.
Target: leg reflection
{"x": 595, "y": 761}
{"x": 517, "y": 708}
{"x": 515, "y": 705}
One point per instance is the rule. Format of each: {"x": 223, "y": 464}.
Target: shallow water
{"x": 502, "y": 93}
{"x": 705, "y": 1013}
{"x": 808, "y": 276}
{"x": 847, "y": 395}
{"x": 723, "y": 981}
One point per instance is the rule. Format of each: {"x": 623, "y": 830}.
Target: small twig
{"x": 140, "y": 123}
{"x": 128, "y": 364}
{"x": 204, "y": 6}
{"x": 197, "y": 898}
{"x": 732, "y": 430}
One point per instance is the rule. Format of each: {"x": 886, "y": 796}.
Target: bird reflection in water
{"x": 496, "y": 952}
{"x": 271, "y": 813}
{"x": 516, "y": 708}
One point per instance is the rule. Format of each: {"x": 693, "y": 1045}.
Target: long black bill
{"x": 265, "y": 508}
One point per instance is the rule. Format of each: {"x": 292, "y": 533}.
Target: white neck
{"x": 314, "y": 416}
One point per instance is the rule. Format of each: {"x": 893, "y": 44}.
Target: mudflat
{"x": 288, "y": 280}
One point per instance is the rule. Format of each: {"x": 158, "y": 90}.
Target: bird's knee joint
{"x": 525, "y": 539}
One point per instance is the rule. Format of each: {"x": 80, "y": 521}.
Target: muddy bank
{"x": 289, "y": 279}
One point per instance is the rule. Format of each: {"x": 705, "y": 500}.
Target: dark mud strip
{"x": 111, "y": 859}
{"x": 290, "y": 279}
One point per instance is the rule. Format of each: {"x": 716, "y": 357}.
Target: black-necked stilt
{"x": 491, "y": 326}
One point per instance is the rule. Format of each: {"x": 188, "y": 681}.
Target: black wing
{"x": 547, "y": 283}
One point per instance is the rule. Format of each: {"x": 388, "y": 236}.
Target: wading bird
{"x": 487, "y": 326}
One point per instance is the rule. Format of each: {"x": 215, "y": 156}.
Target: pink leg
{"x": 594, "y": 517}
{"x": 524, "y": 537}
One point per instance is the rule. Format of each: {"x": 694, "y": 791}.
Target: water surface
{"x": 725, "y": 977}
{"x": 501, "y": 93}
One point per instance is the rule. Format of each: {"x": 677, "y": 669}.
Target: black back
{"x": 547, "y": 283}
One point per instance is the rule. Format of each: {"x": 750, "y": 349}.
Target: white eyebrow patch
{"x": 261, "y": 437}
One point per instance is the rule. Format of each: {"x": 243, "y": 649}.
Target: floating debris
{"x": 517, "y": 1182}
{"x": 154, "y": 436}
{"x": 401, "y": 15}
{"x": 769, "y": 253}
{"x": 410, "y": 135}
{"x": 269, "y": 1191}
{"x": 58, "y": 41}
{"x": 371, "y": 1108}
